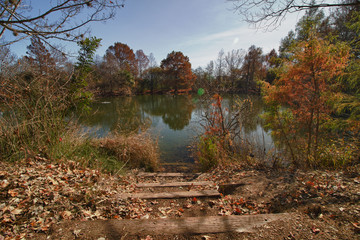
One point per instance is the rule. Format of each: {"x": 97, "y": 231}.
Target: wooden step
{"x": 170, "y": 226}
{"x": 175, "y": 184}
{"x": 167, "y": 174}
{"x": 166, "y": 195}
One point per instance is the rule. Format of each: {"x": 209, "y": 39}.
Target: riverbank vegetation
{"x": 310, "y": 86}
{"x": 40, "y": 95}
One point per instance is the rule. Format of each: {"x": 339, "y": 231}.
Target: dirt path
{"x": 193, "y": 204}
{"x": 45, "y": 200}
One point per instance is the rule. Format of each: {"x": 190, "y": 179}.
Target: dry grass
{"x": 135, "y": 150}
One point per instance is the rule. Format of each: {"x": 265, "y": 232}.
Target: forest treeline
{"x": 124, "y": 71}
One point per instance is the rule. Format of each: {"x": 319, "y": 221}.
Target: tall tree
{"x": 40, "y": 56}
{"x": 314, "y": 20}
{"x": 83, "y": 67}
{"x": 142, "y": 62}
{"x": 152, "y": 61}
{"x": 220, "y": 65}
{"x": 345, "y": 20}
{"x": 178, "y": 71}
{"x": 272, "y": 62}
{"x": 210, "y": 68}
{"x": 252, "y": 68}
{"x": 305, "y": 86}
{"x": 153, "y": 79}
{"x": 233, "y": 61}
{"x": 121, "y": 57}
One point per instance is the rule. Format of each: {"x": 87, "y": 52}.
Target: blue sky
{"x": 198, "y": 28}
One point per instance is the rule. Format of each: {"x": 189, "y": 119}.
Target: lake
{"x": 173, "y": 120}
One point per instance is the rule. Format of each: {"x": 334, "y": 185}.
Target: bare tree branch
{"x": 270, "y": 13}
{"x": 63, "y": 19}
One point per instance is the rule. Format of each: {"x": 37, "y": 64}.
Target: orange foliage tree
{"x": 178, "y": 72}
{"x": 305, "y": 86}
{"x": 121, "y": 57}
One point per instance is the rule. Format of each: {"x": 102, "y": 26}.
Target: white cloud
{"x": 201, "y": 49}
{"x": 236, "y": 40}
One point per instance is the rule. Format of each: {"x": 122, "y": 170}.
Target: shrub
{"x": 208, "y": 152}
{"x": 336, "y": 154}
{"x": 33, "y": 108}
{"x": 224, "y": 138}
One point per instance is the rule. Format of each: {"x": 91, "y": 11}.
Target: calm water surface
{"x": 173, "y": 120}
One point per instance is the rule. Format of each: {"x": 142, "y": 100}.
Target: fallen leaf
{"x": 13, "y": 192}
{"x": 77, "y": 232}
{"x": 66, "y": 215}
{"x": 4, "y": 183}
{"x": 315, "y": 230}
{"x": 357, "y": 226}
{"x": 148, "y": 237}
{"x": 16, "y": 211}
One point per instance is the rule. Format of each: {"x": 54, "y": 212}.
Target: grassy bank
{"x": 112, "y": 154}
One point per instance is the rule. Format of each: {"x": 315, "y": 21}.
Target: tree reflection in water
{"x": 173, "y": 119}
{"x": 175, "y": 111}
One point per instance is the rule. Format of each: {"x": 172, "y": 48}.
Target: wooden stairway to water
{"x": 118, "y": 229}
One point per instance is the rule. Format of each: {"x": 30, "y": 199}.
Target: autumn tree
{"x": 344, "y": 19}
{"x": 233, "y": 60}
{"x": 177, "y": 69}
{"x": 119, "y": 69}
{"x": 40, "y": 56}
{"x": 252, "y": 68}
{"x": 304, "y": 88}
{"x": 272, "y": 63}
{"x": 206, "y": 80}
{"x": 220, "y": 67}
{"x": 6, "y": 59}
{"x": 210, "y": 68}
{"x": 153, "y": 80}
{"x": 152, "y": 61}
{"x": 121, "y": 57}
{"x": 142, "y": 62}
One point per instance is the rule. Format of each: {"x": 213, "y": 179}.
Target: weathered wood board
{"x": 175, "y": 184}
{"x": 190, "y": 225}
{"x": 165, "y": 174}
{"x": 164, "y": 195}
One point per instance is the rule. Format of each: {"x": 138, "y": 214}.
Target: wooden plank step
{"x": 166, "y": 174}
{"x": 170, "y": 226}
{"x": 165, "y": 195}
{"x": 175, "y": 184}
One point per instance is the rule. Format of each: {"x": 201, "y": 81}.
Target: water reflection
{"x": 174, "y": 110}
{"x": 173, "y": 120}
{"x": 117, "y": 114}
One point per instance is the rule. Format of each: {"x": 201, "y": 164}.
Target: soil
{"x": 322, "y": 204}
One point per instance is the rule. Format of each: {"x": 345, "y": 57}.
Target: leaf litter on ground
{"x": 38, "y": 193}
